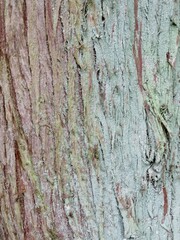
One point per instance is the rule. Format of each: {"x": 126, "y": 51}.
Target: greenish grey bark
{"x": 89, "y": 119}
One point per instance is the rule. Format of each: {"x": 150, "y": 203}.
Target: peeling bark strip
{"x": 137, "y": 46}
{"x": 165, "y": 203}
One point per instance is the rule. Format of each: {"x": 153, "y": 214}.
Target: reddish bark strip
{"x": 25, "y": 18}
{"x": 165, "y": 203}
{"x": 49, "y": 17}
{"x": 137, "y": 46}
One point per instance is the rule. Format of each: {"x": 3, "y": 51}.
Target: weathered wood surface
{"x": 89, "y": 119}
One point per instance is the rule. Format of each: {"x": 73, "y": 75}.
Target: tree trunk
{"x": 89, "y": 119}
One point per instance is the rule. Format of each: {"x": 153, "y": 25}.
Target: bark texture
{"x": 89, "y": 119}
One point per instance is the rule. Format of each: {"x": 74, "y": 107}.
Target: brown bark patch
{"x": 165, "y": 203}
{"x": 137, "y": 46}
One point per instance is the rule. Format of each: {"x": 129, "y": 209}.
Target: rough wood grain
{"x": 89, "y": 119}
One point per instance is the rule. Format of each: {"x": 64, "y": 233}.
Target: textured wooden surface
{"x": 89, "y": 119}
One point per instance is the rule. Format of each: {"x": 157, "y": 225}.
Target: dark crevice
{"x": 103, "y": 18}
{"x": 78, "y": 67}
{"x": 62, "y": 24}
{"x": 85, "y": 9}
{"x": 95, "y": 57}
{"x": 25, "y": 19}
{"x": 81, "y": 102}
{"x": 101, "y": 84}
{"x": 98, "y": 75}
{"x": 148, "y": 137}
{"x": 24, "y": 9}
{"x": 173, "y": 23}
{"x": 102, "y": 15}
{"x": 166, "y": 132}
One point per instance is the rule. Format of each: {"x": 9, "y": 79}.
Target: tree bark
{"x": 89, "y": 119}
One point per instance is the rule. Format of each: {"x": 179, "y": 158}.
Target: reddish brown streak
{"x": 165, "y": 203}
{"x": 136, "y": 14}
{"x": 137, "y": 46}
{"x": 49, "y": 22}
{"x": 25, "y": 18}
